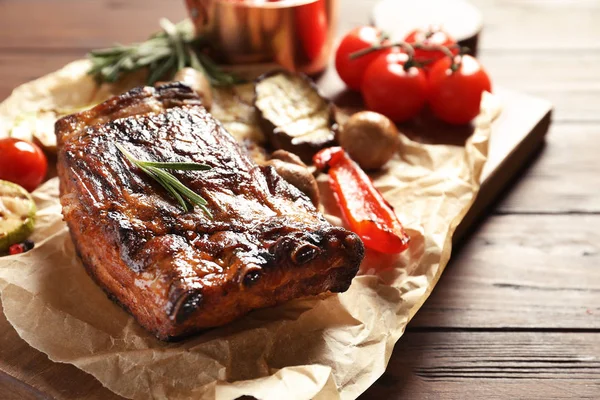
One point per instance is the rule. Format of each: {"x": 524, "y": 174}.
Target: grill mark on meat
{"x": 178, "y": 272}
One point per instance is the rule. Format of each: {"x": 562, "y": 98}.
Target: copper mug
{"x": 296, "y": 34}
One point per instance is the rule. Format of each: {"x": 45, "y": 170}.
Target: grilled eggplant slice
{"x": 293, "y": 114}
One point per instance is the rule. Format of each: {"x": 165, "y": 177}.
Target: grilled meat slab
{"x": 178, "y": 272}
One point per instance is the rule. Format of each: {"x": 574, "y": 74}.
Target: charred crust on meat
{"x": 304, "y": 253}
{"x": 183, "y": 305}
{"x": 252, "y": 277}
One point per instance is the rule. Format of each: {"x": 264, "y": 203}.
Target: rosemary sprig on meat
{"x": 163, "y": 54}
{"x": 156, "y": 170}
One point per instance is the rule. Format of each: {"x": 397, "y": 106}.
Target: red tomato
{"x": 352, "y": 71}
{"x": 391, "y": 90}
{"x": 433, "y": 36}
{"x": 455, "y": 97}
{"x": 22, "y": 163}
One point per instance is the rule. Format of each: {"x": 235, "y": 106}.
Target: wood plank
{"x": 509, "y": 24}
{"x": 523, "y": 272}
{"x": 522, "y": 25}
{"x": 572, "y": 86}
{"x": 73, "y": 24}
{"x": 13, "y": 389}
{"x": 570, "y": 81}
{"x": 19, "y": 68}
{"x": 564, "y": 178}
{"x": 540, "y": 24}
{"x": 492, "y": 365}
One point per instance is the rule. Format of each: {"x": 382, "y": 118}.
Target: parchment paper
{"x": 326, "y": 347}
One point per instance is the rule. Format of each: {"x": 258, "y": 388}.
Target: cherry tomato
{"x": 455, "y": 97}
{"x": 433, "y": 36}
{"x": 389, "y": 89}
{"x": 22, "y": 163}
{"x": 352, "y": 71}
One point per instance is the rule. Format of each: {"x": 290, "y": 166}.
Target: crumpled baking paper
{"x": 333, "y": 346}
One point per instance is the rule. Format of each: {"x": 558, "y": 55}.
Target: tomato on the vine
{"x": 22, "y": 162}
{"x": 433, "y": 36}
{"x": 455, "y": 96}
{"x": 352, "y": 71}
{"x": 393, "y": 90}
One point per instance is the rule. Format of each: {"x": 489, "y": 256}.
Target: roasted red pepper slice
{"x": 363, "y": 207}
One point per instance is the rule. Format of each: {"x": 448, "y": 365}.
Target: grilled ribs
{"x": 179, "y": 272}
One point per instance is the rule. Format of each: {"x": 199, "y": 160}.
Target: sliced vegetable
{"x": 363, "y": 207}
{"x": 17, "y": 214}
{"x": 293, "y": 114}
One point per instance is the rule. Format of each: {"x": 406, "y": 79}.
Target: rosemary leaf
{"x": 163, "y": 54}
{"x": 154, "y": 56}
{"x": 112, "y": 51}
{"x": 156, "y": 170}
{"x": 175, "y": 40}
{"x": 181, "y": 166}
{"x": 168, "y": 188}
{"x": 162, "y": 68}
{"x": 180, "y": 187}
{"x": 194, "y": 62}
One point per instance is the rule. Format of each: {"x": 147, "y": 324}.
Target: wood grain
{"x": 13, "y": 389}
{"x": 523, "y": 272}
{"x": 510, "y": 25}
{"x": 568, "y": 80}
{"x": 492, "y": 365}
{"x": 565, "y": 178}
{"x": 19, "y": 68}
{"x": 64, "y": 25}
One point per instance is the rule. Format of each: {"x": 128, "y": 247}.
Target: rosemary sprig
{"x": 156, "y": 170}
{"x": 163, "y": 54}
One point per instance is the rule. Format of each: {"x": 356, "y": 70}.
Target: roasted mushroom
{"x": 293, "y": 114}
{"x": 292, "y": 169}
{"x": 371, "y": 139}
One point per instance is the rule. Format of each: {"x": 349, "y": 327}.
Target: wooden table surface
{"x": 517, "y": 312}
